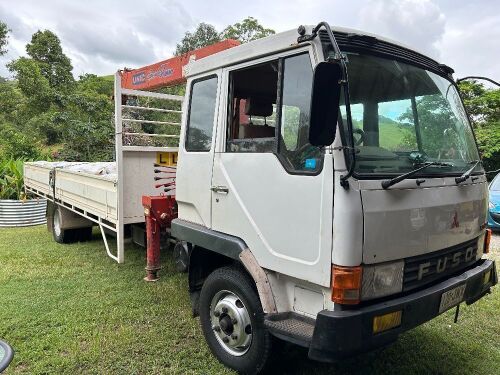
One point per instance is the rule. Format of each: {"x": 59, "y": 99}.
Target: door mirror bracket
{"x": 328, "y": 80}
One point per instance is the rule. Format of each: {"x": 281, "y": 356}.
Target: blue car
{"x": 494, "y": 205}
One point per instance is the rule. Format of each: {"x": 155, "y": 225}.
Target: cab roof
{"x": 269, "y": 45}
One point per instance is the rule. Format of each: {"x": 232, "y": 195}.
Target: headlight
{"x": 491, "y": 205}
{"x": 382, "y": 279}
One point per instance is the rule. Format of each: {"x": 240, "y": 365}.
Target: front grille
{"x": 373, "y": 46}
{"x": 428, "y": 268}
{"x": 495, "y": 217}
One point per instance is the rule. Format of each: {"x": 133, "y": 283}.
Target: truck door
{"x": 196, "y": 149}
{"x": 270, "y": 187}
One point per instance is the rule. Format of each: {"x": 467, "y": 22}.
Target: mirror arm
{"x": 339, "y": 58}
{"x": 478, "y": 77}
{"x": 308, "y": 37}
{"x": 344, "y": 178}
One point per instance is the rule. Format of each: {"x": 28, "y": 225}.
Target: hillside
{"x": 392, "y": 132}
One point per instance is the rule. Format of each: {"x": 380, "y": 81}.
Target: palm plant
{"x": 11, "y": 179}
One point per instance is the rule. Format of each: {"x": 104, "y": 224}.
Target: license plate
{"x": 451, "y": 298}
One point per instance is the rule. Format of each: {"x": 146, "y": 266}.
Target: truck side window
{"x": 201, "y": 115}
{"x": 295, "y": 152}
{"x": 252, "y": 109}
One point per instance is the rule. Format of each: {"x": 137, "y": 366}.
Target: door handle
{"x": 220, "y": 189}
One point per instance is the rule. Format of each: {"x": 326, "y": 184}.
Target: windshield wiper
{"x": 388, "y": 183}
{"x": 467, "y": 174}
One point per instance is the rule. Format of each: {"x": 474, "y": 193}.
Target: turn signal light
{"x": 487, "y": 277}
{"x": 487, "y": 240}
{"x": 384, "y": 322}
{"x": 346, "y": 284}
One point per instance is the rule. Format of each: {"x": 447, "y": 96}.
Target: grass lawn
{"x": 69, "y": 309}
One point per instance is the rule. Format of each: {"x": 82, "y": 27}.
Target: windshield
{"x": 404, "y": 115}
{"x": 495, "y": 185}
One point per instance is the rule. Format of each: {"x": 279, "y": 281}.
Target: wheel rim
{"x": 57, "y": 224}
{"x": 231, "y": 323}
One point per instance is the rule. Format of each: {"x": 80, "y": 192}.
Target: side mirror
{"x": 325, "y": 103}
{"x": 6, "y": 355}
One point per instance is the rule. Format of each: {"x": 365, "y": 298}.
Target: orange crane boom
{"x": 169, "y": 72}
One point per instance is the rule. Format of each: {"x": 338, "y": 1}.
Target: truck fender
{"x": 261, "y": 281}
{"x": 226, "y": 247}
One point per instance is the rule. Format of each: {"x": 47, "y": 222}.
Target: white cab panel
{"x": 401, "y": 223}
{"x": 194, "y": 171}
{"x": 292, "y": 294}
{"x": 286, "y": 220}
{"x": 347, "y": 224}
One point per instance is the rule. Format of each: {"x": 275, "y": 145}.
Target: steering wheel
{"x": 299, "y": 155}
{"x": 361, "y": 133}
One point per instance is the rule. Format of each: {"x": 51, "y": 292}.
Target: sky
{"x": 102, "y": 36}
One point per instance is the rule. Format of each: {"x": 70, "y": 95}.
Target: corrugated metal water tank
{"x": 22, "y": 213}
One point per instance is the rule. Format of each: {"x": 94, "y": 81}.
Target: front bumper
{"x": 492, "y": 223}
{"x": 344, "y": 333}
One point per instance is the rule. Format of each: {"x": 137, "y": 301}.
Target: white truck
{"x": 330, "y": 194}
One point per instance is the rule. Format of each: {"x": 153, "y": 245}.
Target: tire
{"x": 61, "y": 235}
{"x": 230, "y": 310}
{"x": 181, "y": 257}
{"x": 83, "y": 234}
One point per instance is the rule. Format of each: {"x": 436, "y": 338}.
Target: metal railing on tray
{"x": 144, "y": 121}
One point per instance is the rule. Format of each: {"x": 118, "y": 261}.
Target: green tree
{"x": 18, "y": 145}
{"x": 483, "y": 106}
{"x": 11, "y": 99}
{"x": 4, "y": 32}
{"x": 45, "y": 49}
{"x": 44, "y": 102}
{"x": 99, "y": 85}
{"x": 204, "y": 35}
{"x": 32, "y": 83}
{"x": 40, "y": 105}
{"x": 89, "y": 134}
{"x": 488, "y": 139}
{"x": 247, "y": 30}
{"x": 45, "y": 81}
{"x": 435, "y": 117}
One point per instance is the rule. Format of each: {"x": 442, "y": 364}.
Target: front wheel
{"x": 231, "y": 318}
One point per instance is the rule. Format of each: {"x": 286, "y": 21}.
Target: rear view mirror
{"x": 325, "y": 103}
{"x": 6, "y": 355}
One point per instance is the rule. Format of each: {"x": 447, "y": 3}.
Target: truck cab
{"x": 333, "y": 213}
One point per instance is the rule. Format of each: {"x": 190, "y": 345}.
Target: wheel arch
{"x": 202, "y": 262}
{"x": 210, "y": 250}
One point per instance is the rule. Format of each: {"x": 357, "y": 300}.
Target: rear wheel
{"x": 61, "y": 235}
{"x": 231, "y": 318}
{"x": 83, "y": 234}
{"x": 68, "y": 235}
